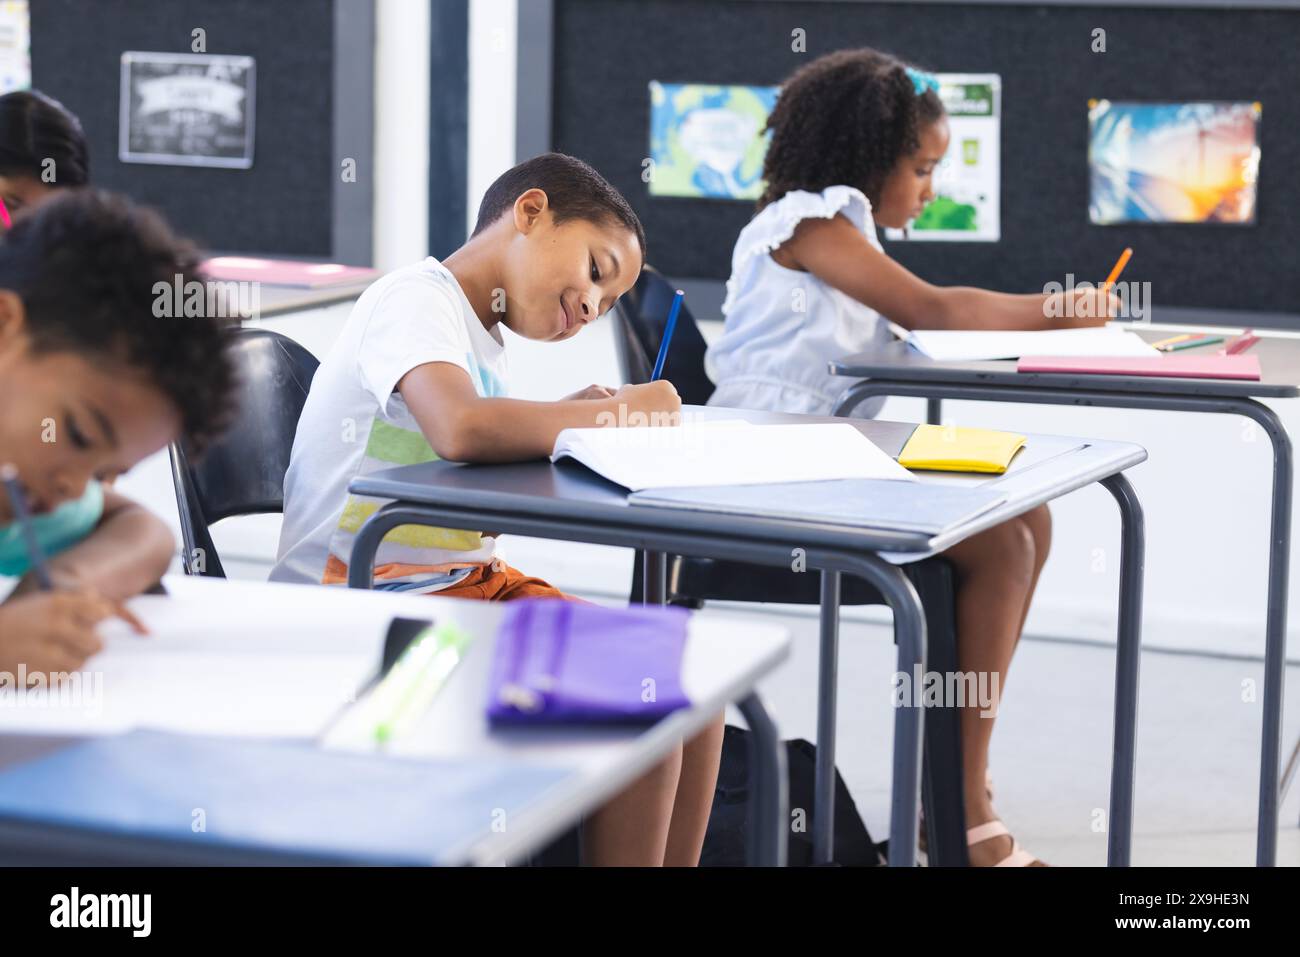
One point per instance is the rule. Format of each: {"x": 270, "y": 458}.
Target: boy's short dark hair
{"x": 85, "y": 264}
{"x": 574, "y": 190}
{"x": 844, "y": 119}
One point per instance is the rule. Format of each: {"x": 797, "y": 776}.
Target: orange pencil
{"x": 1119, "y": 268}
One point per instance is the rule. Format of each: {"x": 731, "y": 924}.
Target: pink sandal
{"x": 1018, "y": 857}
{"x": 922, "y": 840}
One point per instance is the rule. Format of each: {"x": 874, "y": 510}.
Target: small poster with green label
{"x": 968, "y": 181}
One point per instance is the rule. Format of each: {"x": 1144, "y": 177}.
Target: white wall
{"x": 401, "y": 220}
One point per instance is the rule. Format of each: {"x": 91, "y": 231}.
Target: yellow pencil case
{"x": 950, "y": 448}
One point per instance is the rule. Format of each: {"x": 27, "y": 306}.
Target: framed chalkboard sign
{"x": 187, "y": 109}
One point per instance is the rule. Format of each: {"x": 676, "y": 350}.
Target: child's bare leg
{"x": 695, "y": 788}
{"x": 631, "y": 829}
{"x": 995, "y": 573}
{"x": 1040, "y": 526}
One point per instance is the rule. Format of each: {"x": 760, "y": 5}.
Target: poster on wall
{"x": 1172, "y": 162}
{"x": 706, "y": 141}
{"x": 968, "y": 180}
{"x": 187, "y": 109}
{"x": 15, "y": 46}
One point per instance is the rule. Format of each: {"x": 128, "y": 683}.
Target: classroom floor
{"x": 1198, "y": 745}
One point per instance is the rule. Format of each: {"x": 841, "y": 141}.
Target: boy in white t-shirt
{"x": 419, "y": 373}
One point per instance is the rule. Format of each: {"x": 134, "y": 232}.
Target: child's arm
{"x": 462, "y": 426}
{"x": 128, "y": 551}
{"x": 834, "y": 251}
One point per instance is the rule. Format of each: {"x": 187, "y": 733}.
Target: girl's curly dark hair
{"x": 844, "y": 119}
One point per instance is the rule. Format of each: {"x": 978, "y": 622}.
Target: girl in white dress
{"x": 856, "y": 136}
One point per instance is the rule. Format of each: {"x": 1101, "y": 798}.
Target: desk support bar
{"x": 767, "y": 819}
{"x": 654, "y": 574}
{"x": 889, "y": 580}
{"x": 827, "y": 684}
{"x": 1128, "y": 659}
{"x": 1279, "y": 537}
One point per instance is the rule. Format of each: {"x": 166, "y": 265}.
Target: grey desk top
{"x": 1279, "y": 360}
{"x": 281, "y": 300}
{"x": 212, "y": 619}
{"x": 1047, "y": 468}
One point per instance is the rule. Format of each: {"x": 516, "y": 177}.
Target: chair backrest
{"x": 242, "y": 472}
{"x": 640, "y": 318}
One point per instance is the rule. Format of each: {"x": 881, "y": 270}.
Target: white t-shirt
{"x": 355, "y": 423}
{"x": 783, "y": 327}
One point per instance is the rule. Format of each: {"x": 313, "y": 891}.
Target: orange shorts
{"x": 497, "y": 581}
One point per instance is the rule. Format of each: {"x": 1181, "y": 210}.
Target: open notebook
{"x": 726, "y": 453}
{"x": 944, "y": 345}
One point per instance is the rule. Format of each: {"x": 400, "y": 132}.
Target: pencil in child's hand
{"x": 1119, "y": 268}
{"x": 668, "y": 335}
{"x": 18, "y": 504}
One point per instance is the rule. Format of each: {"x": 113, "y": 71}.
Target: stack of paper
{"x": 727, "y": 453}
{"x": 977, "y": 345}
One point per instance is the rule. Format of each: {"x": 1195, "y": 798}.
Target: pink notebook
{"x": 1178, "y": 367}
{"x": 283, "y": 272}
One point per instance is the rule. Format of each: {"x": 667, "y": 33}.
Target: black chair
{"x": 242, "y": 472}
{"x": 640, "y": 318}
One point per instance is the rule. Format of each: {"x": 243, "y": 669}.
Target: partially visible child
{"x": 42, "y": 150}
{"x": 856, "y": 137}
{"x": 91, "y": 382}
{"x": 419, "y": 372}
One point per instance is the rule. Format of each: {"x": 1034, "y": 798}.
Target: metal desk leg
{"x": 1279, "y": 557}
{"x": 1127, "y": 663}
{"x": 934, "y": 411}
{"x": 909, "y": 633}
{"x": 654, "y": 571}
{"x": 361, "y": 563}
{"x": 827, "y": 683}
{"x": 767, "y": 802}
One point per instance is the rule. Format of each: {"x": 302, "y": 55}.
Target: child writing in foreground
{"x": 856, "y": 137}
{"x": 419, "y": 372}
{"x": 91, "y": 382}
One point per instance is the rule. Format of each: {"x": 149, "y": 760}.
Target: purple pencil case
{"x": 561, "y": 662}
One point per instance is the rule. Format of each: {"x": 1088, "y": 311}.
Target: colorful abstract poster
{"x": 706, "y": 141}
{"x": 968, "y": 181}
{"x": 1173, "y": 162}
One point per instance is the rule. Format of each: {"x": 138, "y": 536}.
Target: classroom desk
{"x": 897, "y": 369}
{"x": 565, "y": 501}
{"x": 279, "y": 300}
{"x": 212, "y": 635}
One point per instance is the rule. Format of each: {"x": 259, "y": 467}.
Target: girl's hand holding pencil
{"x": 1081, "y": 307}
{"x": 1088, "y": 306}
{"x": 51, "y": 631}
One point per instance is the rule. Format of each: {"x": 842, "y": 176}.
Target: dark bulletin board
{"x": 606, "y": 51}
{"x": 283, "y": 204}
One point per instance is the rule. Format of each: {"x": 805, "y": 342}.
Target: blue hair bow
{"x": 922, "y": 81}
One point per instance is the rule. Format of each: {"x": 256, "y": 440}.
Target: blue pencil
{"x": 18, "y": 504}
{"x": 668, "y": 335}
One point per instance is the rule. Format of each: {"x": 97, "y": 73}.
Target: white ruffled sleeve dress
{"x": 783, "y": 326}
